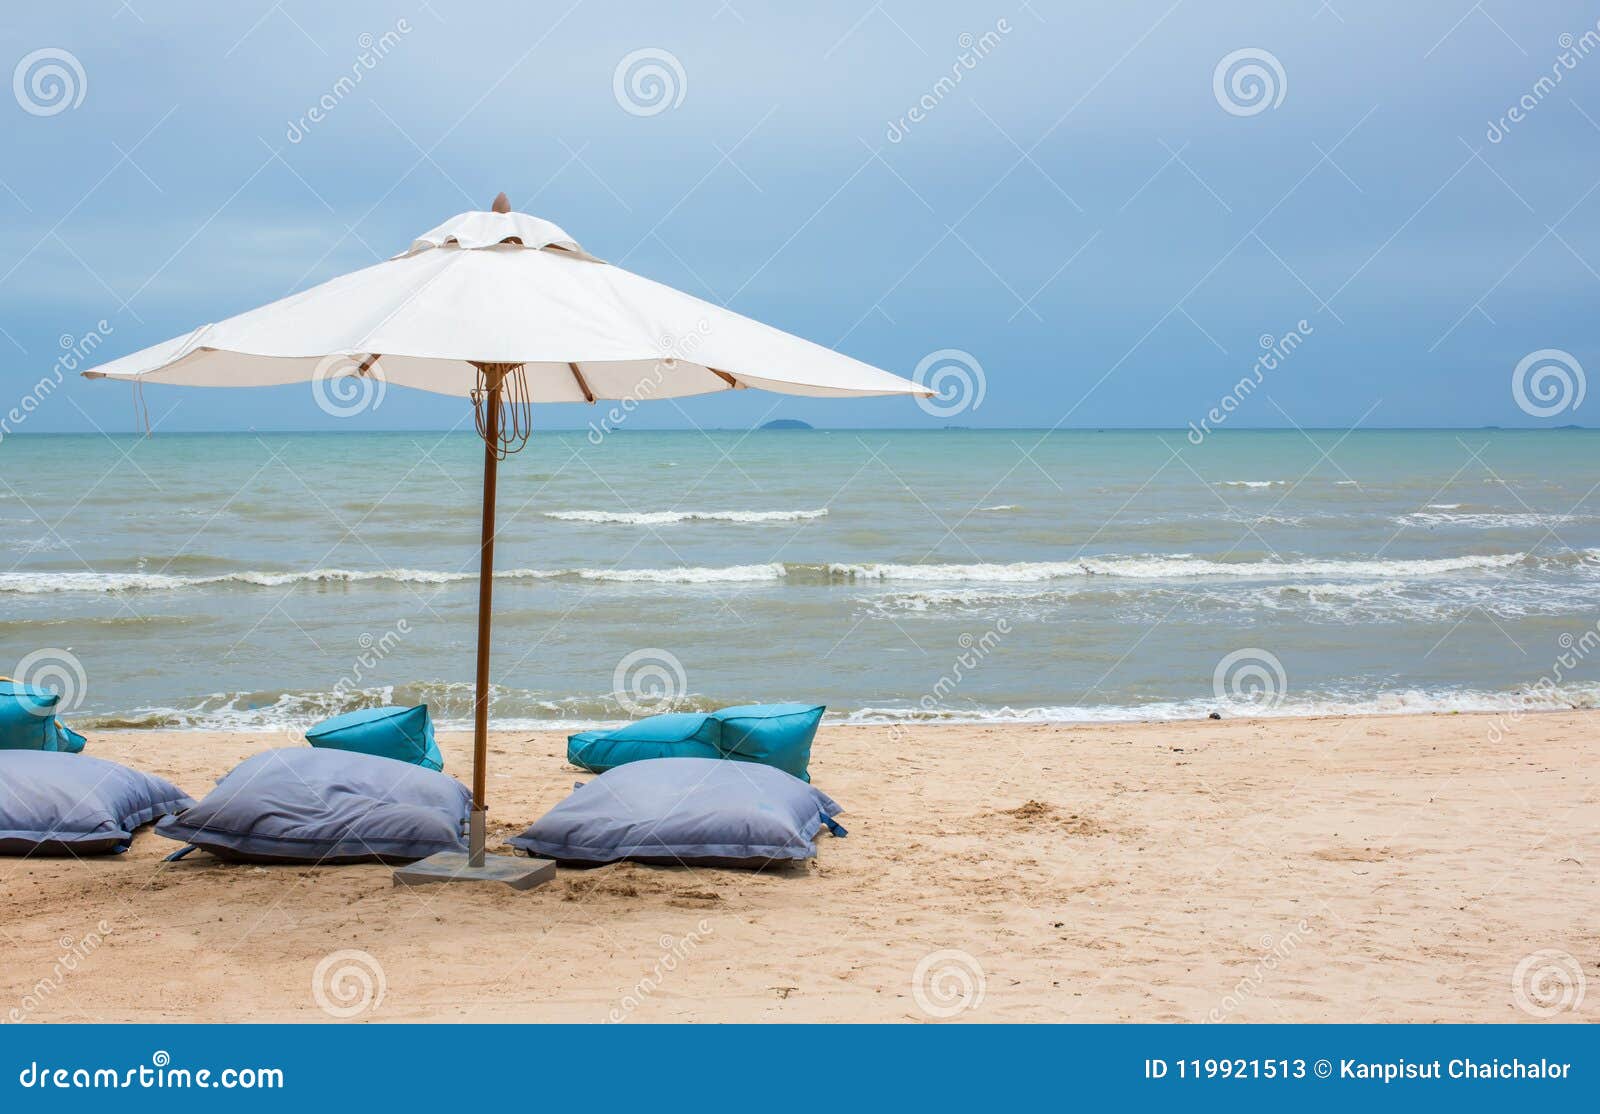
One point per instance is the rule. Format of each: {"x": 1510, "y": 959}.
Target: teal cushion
{"x": 28, "y": 721}
{"x": 404, "y": 734}
{"x": 672, "y": 735}
{"x": 773, "y": 734}
{"x": 776, "y": 735}
{"x": 68, "y": 740}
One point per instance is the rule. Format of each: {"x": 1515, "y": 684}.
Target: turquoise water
{"x": 268, "y": 580}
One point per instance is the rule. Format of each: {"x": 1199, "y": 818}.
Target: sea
{"x": 263, "y": 581}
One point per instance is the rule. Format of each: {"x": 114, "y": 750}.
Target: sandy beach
{"x": 1379, "y": 869}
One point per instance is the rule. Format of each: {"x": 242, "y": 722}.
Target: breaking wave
{"x": 1496, "y": 520}
{"x": 522, "y": 710}
{"x": 667, "y": 518}
{"x": 1180, "y": 566}
{"x": 1185, "y": 566}
{"x": 37, "y": 583}
{"x": 1395, "y": 703}
{"x": 449, "y": 702}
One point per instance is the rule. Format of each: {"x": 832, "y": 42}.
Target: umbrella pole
{"x": 480, "y": 697}
{"x": 475, "y": 865}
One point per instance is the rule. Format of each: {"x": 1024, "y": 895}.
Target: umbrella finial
{"x": 502, "y": 204}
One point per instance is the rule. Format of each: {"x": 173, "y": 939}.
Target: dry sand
{"x": 1365, "y": 869}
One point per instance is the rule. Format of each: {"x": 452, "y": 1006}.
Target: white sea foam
{"x": 517, "y": 710}
{"x": 39, "y": 583}
{"x": 1175, "y": 567}
{"x": 450, "y": 703}
{"x": 732, "y": 573}
{"x": 1001, "y": 507}
{"x": 1337, "y": 591}
{"x": 1397, "y": 702}
{"x": 960, "y": 599}
{"x": 667, "y": 518}
{"x": 1485, "y": 520}
{"x": 35, "y": 583}
{"x": 45, "y": 543}
{"x": 1136, "y": 602}
{"x": 1178, "y": 566}
{"x": 1254, "y": 483}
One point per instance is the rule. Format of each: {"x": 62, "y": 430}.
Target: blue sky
{"x": 1083, "y": 213}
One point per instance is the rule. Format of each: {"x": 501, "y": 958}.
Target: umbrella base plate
{"x": 451, "y": 866}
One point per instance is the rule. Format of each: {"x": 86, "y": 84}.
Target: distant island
{"x": 787, "y": 423}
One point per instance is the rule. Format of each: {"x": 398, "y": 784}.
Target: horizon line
{"x": 1567, "y": 428}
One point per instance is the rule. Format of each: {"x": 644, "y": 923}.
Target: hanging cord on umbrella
{"x": 141, "y": 409}
{"x": 515, "y": 418}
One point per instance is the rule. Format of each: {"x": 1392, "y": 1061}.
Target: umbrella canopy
{"x": 508, "y": 310}
{"x": 504, "y": 288}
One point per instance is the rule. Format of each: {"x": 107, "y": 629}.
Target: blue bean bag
{"x": 60, "y": 804}
{"x": 673, "y": 735}
{"x": 777, "y": 735}
{"x": 691, "y": 811}
{"x": 28, "y": 720}
{"x": 300, "y": 805}
{"x": 404, "y": 734}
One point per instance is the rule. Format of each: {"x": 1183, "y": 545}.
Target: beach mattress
{"x": 690, "y": 811}
{"x": 404, "y": 734}
{"x": 64, "y": 804}
{"x": 302, "y": 805}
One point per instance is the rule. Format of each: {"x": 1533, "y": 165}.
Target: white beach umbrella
{"x": 507, "y": 310}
